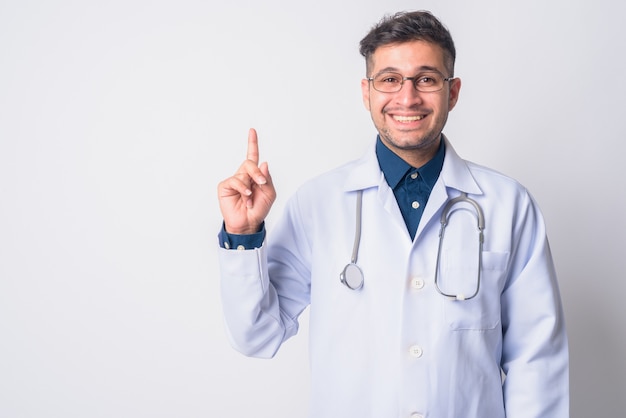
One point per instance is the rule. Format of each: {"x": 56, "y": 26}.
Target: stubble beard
{"x": 427, "y": 141}
{"x": 423, "y": 142}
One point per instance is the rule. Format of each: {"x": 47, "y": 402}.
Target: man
{"x": 466, "y": 326}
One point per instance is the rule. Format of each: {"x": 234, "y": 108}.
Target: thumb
{"x": 266, "y": 171}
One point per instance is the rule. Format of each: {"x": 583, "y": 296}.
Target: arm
{"x": 251, "y": 309}
{"x": 256, "y": 323}
{"x": 535, "y": 349}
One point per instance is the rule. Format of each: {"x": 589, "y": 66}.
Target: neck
{"x": 416, "y": 156}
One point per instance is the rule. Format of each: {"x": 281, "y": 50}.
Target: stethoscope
{"x": 352, "y": 275}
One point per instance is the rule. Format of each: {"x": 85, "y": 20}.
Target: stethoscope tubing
{"x": 352, "y": 275}
{"x": 480, "y": 217}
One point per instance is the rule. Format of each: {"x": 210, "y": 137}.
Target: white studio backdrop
{"x": 119, "y": 118}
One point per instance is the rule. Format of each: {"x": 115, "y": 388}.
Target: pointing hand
{"x": 246, "y": 198}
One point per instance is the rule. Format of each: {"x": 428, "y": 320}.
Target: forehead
{"x": 408, "y": 57}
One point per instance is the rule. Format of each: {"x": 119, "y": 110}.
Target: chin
{"x": 409, "y": 144}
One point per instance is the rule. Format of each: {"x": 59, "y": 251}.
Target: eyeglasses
{"x": 426, "y": 82}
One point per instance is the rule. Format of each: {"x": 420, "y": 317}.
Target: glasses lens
{"x": 424, "y": 82}
{"x": 388, "y": 82}
{"x": 428, "y": 82}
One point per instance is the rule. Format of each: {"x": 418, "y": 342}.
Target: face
{"x": 410, "y": 122}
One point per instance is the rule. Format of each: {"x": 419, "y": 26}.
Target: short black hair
{"x": 406, "y": 27}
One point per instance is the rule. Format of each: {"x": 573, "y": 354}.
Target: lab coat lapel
{"x": 455, "y": 174}
{"x": 455, "y": 177}
{"x": 390, "y": 204}
{"x": 367, "y": 174}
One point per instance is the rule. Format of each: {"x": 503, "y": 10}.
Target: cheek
{"x": 444, "y": 104}
{"x": 376, "y": 104}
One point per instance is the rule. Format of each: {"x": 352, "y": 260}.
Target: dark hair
{"x": 405, "y": 27}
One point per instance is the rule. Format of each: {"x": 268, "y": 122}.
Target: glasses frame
{"x": 413, "y": 80}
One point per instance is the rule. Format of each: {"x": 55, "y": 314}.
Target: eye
{"x": 389, "y": 78}
{"x": 428, "y": 80}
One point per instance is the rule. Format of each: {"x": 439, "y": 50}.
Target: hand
{"x": 246, "y": 198}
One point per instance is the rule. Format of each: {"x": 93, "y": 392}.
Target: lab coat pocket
{"x": 483, "y": 311}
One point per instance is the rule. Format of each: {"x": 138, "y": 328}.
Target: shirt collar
{"x": 395, "y": 168}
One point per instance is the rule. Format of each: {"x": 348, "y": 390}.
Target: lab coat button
{"x": 417, "y": 283}
{"x": 415, "y": 205}
{"x": 416, "y": 351}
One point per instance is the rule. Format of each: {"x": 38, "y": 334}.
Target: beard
{"x": 415, "y": 143}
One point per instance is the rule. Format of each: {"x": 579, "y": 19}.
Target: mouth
{"x": 408, "y": 119}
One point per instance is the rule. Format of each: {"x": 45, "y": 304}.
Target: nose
{"x": 408, "y": 94}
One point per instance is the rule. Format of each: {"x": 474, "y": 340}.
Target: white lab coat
{"x": 397, "y": 348}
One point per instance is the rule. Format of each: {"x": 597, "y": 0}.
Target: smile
{"x": 408, "y": 118}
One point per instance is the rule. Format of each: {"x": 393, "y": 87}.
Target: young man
{"x": 418, "y": 325}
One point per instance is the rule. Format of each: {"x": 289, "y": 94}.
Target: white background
{"x": 118, "y": 119}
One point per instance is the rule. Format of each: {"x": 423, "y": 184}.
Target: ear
{"x": 455, "y": 88}
{"x": 365, "y": 91}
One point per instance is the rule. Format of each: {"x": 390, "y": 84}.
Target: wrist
{"x": 230, "y": 240}
{"x": 249, "y": 230}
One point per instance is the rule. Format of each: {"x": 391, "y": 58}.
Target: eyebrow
{"x": 420, "y": 69}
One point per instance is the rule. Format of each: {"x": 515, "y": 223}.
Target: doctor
{"x": 469, "y": 325}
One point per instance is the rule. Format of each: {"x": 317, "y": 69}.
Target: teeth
{"x": 407, "y": 118}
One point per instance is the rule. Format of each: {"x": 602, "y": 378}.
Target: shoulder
{"x": 476, "y": 179}
{"x": 487, "y": 176}
{"x": 333, "y": 179}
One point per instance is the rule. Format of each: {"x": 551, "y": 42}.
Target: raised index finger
{"x": 253, "y": 146}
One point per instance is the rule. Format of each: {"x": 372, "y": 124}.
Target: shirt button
{"x": 414, "y": 175}
{"x": 417, "y": 283}
{"x": 241, "y": 247}
{"x": 415, "y": 205}
{"x": 416, "y": 415}
{"x": 226, "y": 245}
{"x": 416, "y": 351}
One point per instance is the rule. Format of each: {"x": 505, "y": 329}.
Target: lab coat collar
{"x": 455, "y": 178}
{"x": 455, "y": 173}
{"x": 365, "y": 172}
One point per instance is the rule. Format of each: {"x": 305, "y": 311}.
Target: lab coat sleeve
{"x": 253, "y": 319}
{"x": 262, "y": 299}
{"x": 535, "y": 348}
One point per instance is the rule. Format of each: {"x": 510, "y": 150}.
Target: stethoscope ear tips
{"x": 352, "y": 276}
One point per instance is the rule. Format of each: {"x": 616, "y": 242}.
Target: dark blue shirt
{"x": 411, "y": 187}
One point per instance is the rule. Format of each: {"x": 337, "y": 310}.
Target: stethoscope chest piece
{"x": 352, "y": 276}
